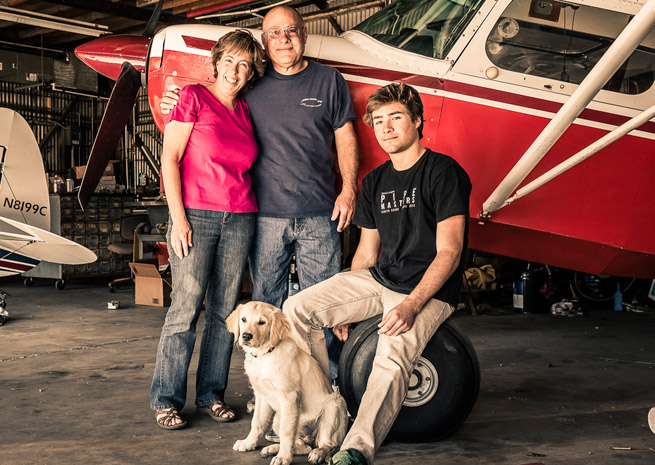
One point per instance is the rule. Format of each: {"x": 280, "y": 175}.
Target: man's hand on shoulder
{"x": 344, "y": 208}
{"x": 168, "y": 101}
{"x": 399, "y": 319}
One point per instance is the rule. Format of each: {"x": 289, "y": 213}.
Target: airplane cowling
{"x": 106, "y": 55}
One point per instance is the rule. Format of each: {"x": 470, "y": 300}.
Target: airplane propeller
{"x": 149, "y": 31}
{"x": 117, "y": 114}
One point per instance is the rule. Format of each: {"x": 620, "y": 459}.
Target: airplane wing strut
{"x": 583, "y": 154}
{"x": 609, "y": 63}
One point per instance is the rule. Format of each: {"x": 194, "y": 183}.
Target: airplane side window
{"x": 426, "y": 27}
{"x": 566, "y": 43}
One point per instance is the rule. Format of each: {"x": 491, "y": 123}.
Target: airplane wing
{"x": 42, "y": 245}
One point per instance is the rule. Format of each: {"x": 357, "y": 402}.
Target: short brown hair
{"x": 396, "y": 92}
{"x": 240, "y": 41}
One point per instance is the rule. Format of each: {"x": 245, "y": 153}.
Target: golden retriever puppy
{"x": 290, "y": 389}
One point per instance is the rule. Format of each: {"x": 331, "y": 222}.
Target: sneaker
{"x": 348, "y": 457}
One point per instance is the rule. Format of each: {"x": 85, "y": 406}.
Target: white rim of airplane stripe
{"x": 518, "y": 108}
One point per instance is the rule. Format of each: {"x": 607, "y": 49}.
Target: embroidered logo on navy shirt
{"x": 311, "y": 102}
{"x": 389, "y": 203}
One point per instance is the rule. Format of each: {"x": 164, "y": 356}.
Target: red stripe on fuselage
{"x": 430, "y": 82}
{"x": 479, "y": 92}
{"x": 537, "y": 104}
{"x": 20, "y": 267}
{"x": 386, "y": 75}
{"x": 198, "y": 43}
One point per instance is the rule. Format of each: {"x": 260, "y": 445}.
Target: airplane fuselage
{"x": 485, "y": 114}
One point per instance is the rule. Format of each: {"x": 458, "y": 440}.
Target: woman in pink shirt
{"x": 209, "y": 146}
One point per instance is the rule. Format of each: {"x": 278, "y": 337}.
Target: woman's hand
{"x": 181, "y": 238}
{"x": 176, "y": 137}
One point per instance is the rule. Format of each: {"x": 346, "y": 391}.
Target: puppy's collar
{"x": 250, "y": 356}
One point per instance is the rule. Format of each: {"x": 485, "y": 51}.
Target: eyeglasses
{"x": 290, "y": 31}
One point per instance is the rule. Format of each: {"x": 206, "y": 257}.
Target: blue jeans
{"x": 212, "y": 271}
{"x": 317, "y": 246}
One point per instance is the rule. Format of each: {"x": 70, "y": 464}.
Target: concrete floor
{"x": 74, "y": 381}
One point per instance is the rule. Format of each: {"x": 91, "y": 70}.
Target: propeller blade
{"x": 149, "y": 31}
{"x": 119, "y": 109}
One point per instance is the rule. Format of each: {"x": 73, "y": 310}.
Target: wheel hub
{"x": 423, "y": 383}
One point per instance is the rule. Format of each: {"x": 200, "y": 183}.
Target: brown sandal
{"x": 168, "y": 419}
{"x": 220, "y": 411}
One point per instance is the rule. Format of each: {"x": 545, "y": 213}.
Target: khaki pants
{"x": 354, "y": 296}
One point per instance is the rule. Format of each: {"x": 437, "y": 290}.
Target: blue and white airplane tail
{"x": 25, "y": 239}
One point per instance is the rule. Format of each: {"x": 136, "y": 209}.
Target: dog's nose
{"x": 247, "y": 337}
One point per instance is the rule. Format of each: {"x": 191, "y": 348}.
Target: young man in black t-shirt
{"x": 414, "y": 207}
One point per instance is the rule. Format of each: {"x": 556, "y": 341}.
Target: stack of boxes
{"x": 95, "y": 228}
{"x": 107, "y": 183}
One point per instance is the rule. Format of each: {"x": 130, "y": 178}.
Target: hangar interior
{"x": 552, "y": 364}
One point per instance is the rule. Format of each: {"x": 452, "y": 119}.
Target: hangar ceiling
{"x": 64, "y": 24}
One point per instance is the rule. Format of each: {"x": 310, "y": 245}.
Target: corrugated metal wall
{"x": 346, "y": 21}
{"x": 322, "y": 26}
{"x": 148, "y": 135}
{"x": 64, "y": 124}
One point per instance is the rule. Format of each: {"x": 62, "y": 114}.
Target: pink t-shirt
{"x": 221, "y": 149}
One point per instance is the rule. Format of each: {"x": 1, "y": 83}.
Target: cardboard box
{"x": 150, "y": 288}
{"x": 79, "y": 171}
{"x": 109, "y": 170}
{"x": 107, "y": 180}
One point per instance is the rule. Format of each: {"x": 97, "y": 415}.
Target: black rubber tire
{"x": 593, "y": 288}
{"x": 28, "y": 282}
{"x": 60, "y": 285}
{"x": 456, "y": 363}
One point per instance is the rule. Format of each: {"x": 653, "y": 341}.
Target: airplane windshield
{"x": 426, "y": 27}
{"x": 564, "y": 41}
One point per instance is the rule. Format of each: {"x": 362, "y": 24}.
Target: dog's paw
{"x": 281, "y": 460}
{"x": 243, "y": 445}
{"x": 318, "y": 455}
{"x": 270, "y": 450}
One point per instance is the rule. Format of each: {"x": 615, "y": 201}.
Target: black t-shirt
{"x": 405, "y": 207}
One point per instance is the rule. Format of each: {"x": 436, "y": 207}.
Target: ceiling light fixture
{"x": 15, "y": 15}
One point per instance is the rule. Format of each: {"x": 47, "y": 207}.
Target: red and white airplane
{"x": 521, "y": 93}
